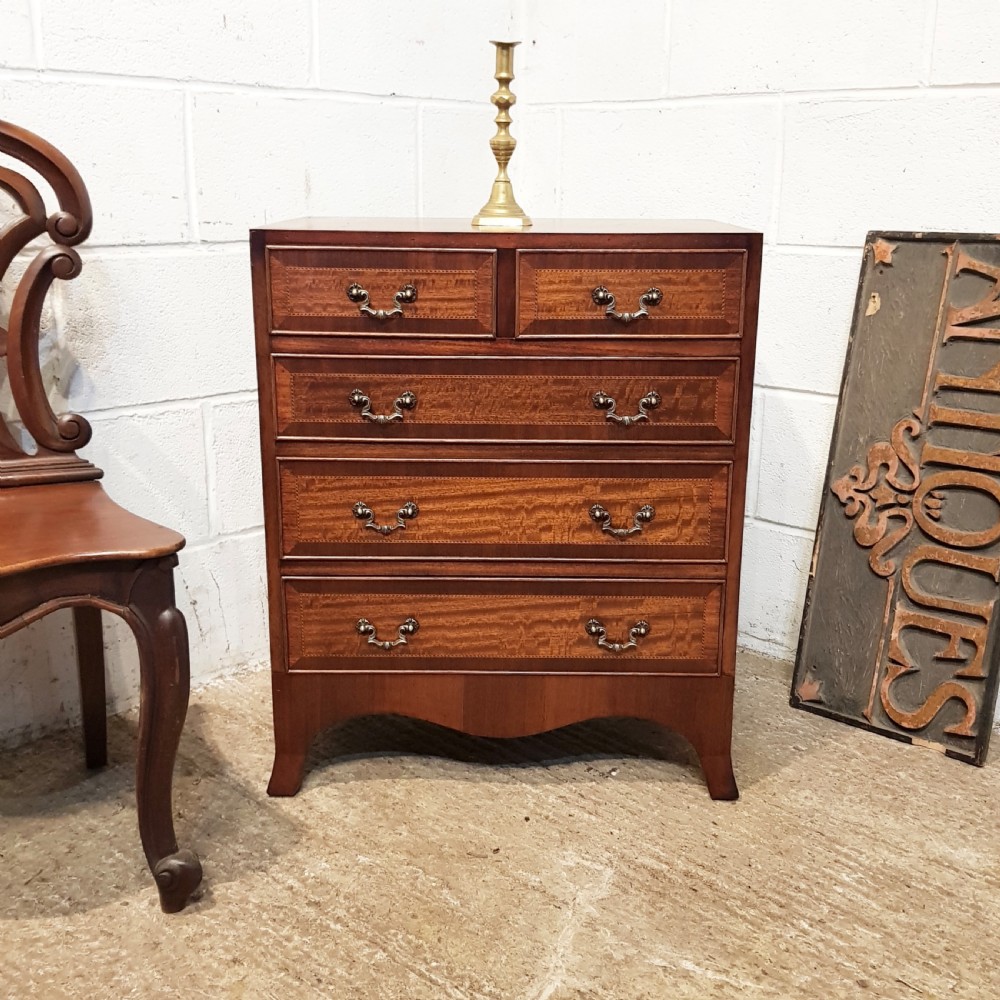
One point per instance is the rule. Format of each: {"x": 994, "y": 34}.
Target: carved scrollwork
{"x": 884, "y": 492}
{"x": 64, "y": 433}
{"x": 71, "y": 225}
{"x": 18, "y": 233}
{"x": 57, "y": 436}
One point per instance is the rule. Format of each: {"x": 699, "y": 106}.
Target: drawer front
{"x": 383, "y": 293}
{"x": 610, "y": 510}
{"x": 512, "y": 625}
{"x": 343, "y": 397}
{"x": 656, "y": 294}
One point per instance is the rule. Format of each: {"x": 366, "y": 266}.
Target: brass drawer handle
{"x": 407, "y": 401}
{"x": 407, "y": 512}
{"x": 602, "y": 401}
{"x": 640, "y": 519}
{"x": 365, "y": 627}
{"x": 648, "y": 299}
{"x": 404, "y": 297}
{"x": 635, "y": 633}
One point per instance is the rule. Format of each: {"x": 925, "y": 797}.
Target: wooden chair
{"x": 64, "y": 543}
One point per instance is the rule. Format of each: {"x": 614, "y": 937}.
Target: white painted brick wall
{"x": 721, "y": 47}
{"x": 909, "y": 160}
{"x": 200, "y": 40}
{"x": 962, "y": 52}
{"x": 15, "y": 34}
{"x": 690, "y": 159}
{"x": 192, "y": 120}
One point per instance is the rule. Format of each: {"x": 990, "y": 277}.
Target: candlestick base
{"x": 501, "y": 222}
{"x": 502, "y": 210}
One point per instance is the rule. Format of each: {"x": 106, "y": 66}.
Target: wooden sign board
{"x": 900, "y": 632}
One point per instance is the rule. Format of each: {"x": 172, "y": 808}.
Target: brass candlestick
{"x": 502, "y": 209}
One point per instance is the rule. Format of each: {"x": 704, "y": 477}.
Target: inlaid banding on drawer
{"x": 519, "y": 400}
{"x": 452, "y": 292}
{"x": 504, "y": 509}
{"x": 519, "y": 625}
{"x": 629, "y": 294}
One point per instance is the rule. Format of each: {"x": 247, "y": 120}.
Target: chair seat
{"x": 65, "y": 523}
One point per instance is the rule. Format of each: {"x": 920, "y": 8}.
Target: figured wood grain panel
{"x": 455, "y": 291}
{"x": 702, "y": 293}
{"x": 502, "y": 513}
{"x": 696, "y": 399}
{"x": 537, "y": 630}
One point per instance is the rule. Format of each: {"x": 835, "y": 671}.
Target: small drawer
{"x": 504, "y": 509}
{"x": 642, "y": 294}
{"x": 468, "y": 625}
{"x": 383, "y": 293}
{"x": 513, "y": 400}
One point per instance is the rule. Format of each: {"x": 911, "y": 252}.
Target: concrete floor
{"x": 574, "y": 865}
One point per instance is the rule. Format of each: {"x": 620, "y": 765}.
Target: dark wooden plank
{"x": 899, "y": 633}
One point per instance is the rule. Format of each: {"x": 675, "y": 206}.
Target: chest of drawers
{"x": 504, "y": 474}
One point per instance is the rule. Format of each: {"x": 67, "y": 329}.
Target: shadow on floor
{"x": 69, "y": 839}
{"x": 374, "y": 738}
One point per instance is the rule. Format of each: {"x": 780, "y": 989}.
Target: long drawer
{"x": 465, "y": 625}
{"x": 504, "y": 509}
{"x": 625, "y": 401}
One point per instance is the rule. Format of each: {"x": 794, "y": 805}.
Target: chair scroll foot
{"x": 177, "y": 876}
{"x": 161, "y": 635}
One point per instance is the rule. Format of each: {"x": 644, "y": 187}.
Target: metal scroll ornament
{"x": 602, "y": 401}
{"x": 638, "y": 631}
{"x": 406, "y": 296}
{"x": 640, "y": 519}
{"x": 406, "y": 401}
{"x": 502, "y": 210}
{"x": 363, "y": 512}
{"x": 366, "y": 628}
{"x": 649, "y": 299}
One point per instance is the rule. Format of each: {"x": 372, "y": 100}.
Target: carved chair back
{"x": 57, "y": 438}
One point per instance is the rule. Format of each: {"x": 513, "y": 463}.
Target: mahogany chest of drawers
{"x": 504, "y": 474}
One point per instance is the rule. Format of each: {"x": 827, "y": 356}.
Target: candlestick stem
{"x": 502, "y": 209}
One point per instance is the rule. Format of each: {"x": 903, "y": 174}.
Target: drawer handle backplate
{"x": 407, "y": 401}
{"x": 363, "y": 512}
{"x": 603, "y": 297}
{"x": 407, "y": 295}
{"x": 365, "y": 627}
{"x": 635, "y": 633}
{"x": 640, "y": 519}
{"x": 602, "y": 401}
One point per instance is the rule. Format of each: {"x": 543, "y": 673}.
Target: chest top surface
{"x": 545, "y": 234}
